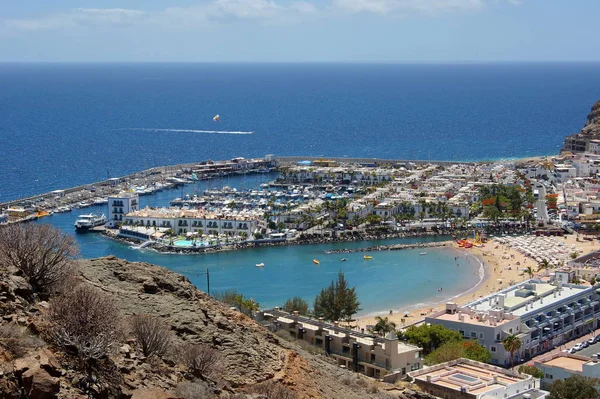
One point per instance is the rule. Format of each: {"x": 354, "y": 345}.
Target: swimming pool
{"x": 189, "y": 243}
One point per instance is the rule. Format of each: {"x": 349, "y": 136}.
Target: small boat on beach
{"x": 367, "y": 257}
{"x": 260, "y": 264}
{"x": 316, "y": 262}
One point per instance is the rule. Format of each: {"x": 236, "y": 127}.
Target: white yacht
{"x": 86, "y": 222}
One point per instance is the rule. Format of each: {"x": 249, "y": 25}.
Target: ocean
{"x": 70, "y": 124}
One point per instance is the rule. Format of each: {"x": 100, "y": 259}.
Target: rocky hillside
{"x": 591, "y": 129}
{"x": 254, "y": 363}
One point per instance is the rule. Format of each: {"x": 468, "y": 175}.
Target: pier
{"x": 394, "y": 247}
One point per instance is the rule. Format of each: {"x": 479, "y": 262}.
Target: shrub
{"x": 152, "y": 334}
{"x": 16, "y": 341}
{"x": 273, "y": 390}
{"x": 372, "y": 389}
{"x": 200, "y": 360}
{"x": 42, "y": 253}
{"x": 85, "y": 322}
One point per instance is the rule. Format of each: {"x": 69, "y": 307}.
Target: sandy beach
{"x": 502, "y": 267}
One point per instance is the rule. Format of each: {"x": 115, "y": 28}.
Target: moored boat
{"x": 260, "y": 265}
{"x": 86, "y": 222}
{"x": 367, "y": 257}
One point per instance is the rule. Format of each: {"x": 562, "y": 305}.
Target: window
{"x": 480, "y": 335}
{"x": 414, "y": 367}
{"x": 498, "y": 337}
{"x": 417, "y": 355}
{"x": 492, "y": 348}
{"x": 510, "y": 331}
{"x": 461, "y": 333}
{"x": 473, "y": 334}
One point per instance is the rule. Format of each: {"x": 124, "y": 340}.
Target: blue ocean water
{"x": 397, "y": 280}
{"x": 69, "y": 124}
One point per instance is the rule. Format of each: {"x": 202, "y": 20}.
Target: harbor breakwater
{"x": 393, "y": 247}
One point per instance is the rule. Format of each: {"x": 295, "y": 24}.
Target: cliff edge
{"x": 591, "y": 131}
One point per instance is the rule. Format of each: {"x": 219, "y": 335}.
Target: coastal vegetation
{"x": 453, "y": 350}
{"x": 232, "y": 298}
{"x": 337, "y": 302}
{"x": 383, "y": 326}
{"x": 42, "y": 253}
{"x": 531, "y": 370}
{"x": 429, "y": 336}
{"x": 574, "y": 387}
{"x": 296, "y": 304}
{"x": 512, "y": 344}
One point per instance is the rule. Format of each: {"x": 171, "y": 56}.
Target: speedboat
{"x": 367, "y": 257}
{"x": 422, "y": 253}
{"x": 260, "y": 265}
{"x": 86, "y": 222}
{"x": 316, "y": 262}
{"x": 343, "y": 260}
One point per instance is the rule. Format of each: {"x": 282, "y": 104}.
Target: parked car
{"x": 591, "y": 340}
{"x": 577, "y": 347}
{"x": 585, "y": 344}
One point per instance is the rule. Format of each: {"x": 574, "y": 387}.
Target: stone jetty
{"x": 394, "y": 247}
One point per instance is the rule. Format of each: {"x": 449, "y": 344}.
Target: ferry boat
{"x": 86, "y": 222}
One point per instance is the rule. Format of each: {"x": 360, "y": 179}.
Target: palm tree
{"x": 544, "y": 264}
{"x": 529, "y": 271}
{"x": 512, "y": 344}
{"x": 384, "y": 326}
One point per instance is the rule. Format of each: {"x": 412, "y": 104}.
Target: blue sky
{"x": 300, "y": 30}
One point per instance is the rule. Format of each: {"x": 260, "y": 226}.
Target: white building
{"x": 184, "y": 221}
{"x": 562, "y": 366}
{"x": 120, "y": 205}
{"x": 542, "y": 315}
{"x": 468, "y": 379}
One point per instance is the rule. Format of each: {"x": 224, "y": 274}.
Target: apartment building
{"x": 543, "y": 315}
{"x": 184, "y": 221}
{"x": 468, "y": 379}
{"x": 364, "y": 353}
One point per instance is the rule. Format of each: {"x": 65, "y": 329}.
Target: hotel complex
{"x": 194, "y": 221}
{"x": 541, "y": 314}
{"x": 364, "y": 353}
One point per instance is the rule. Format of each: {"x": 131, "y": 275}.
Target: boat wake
{"x": 186, "y": 131}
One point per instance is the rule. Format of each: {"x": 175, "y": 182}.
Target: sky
{"x": 378, "y": 31}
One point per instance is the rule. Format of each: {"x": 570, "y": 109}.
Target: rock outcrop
{"x": 251, "y": 355}
{"x": 591, "y": 131}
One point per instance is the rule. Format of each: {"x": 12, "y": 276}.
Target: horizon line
{"x": 467, "y": 62}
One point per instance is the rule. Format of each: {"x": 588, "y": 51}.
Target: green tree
{"x": 512, "y": 344}
{"x": 529, "y": 270}
{"x": 531, "y": 370}
{"x": 430, "y": 337}
{"x": 492, "y": 213}
{"x": 337, "y": 302}
{"x": 453, "y": 350}
{"x": 574, "y": 255}
{"x": 574, "y": 387}
{"x": 383, "y": 326}
{"x": 544, "y": 265}
{"x": 296, "y": 304}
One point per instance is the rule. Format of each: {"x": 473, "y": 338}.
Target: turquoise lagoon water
{"x": 391, "y": 280}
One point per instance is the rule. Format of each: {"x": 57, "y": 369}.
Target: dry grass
{"x": 17, "y": 342}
